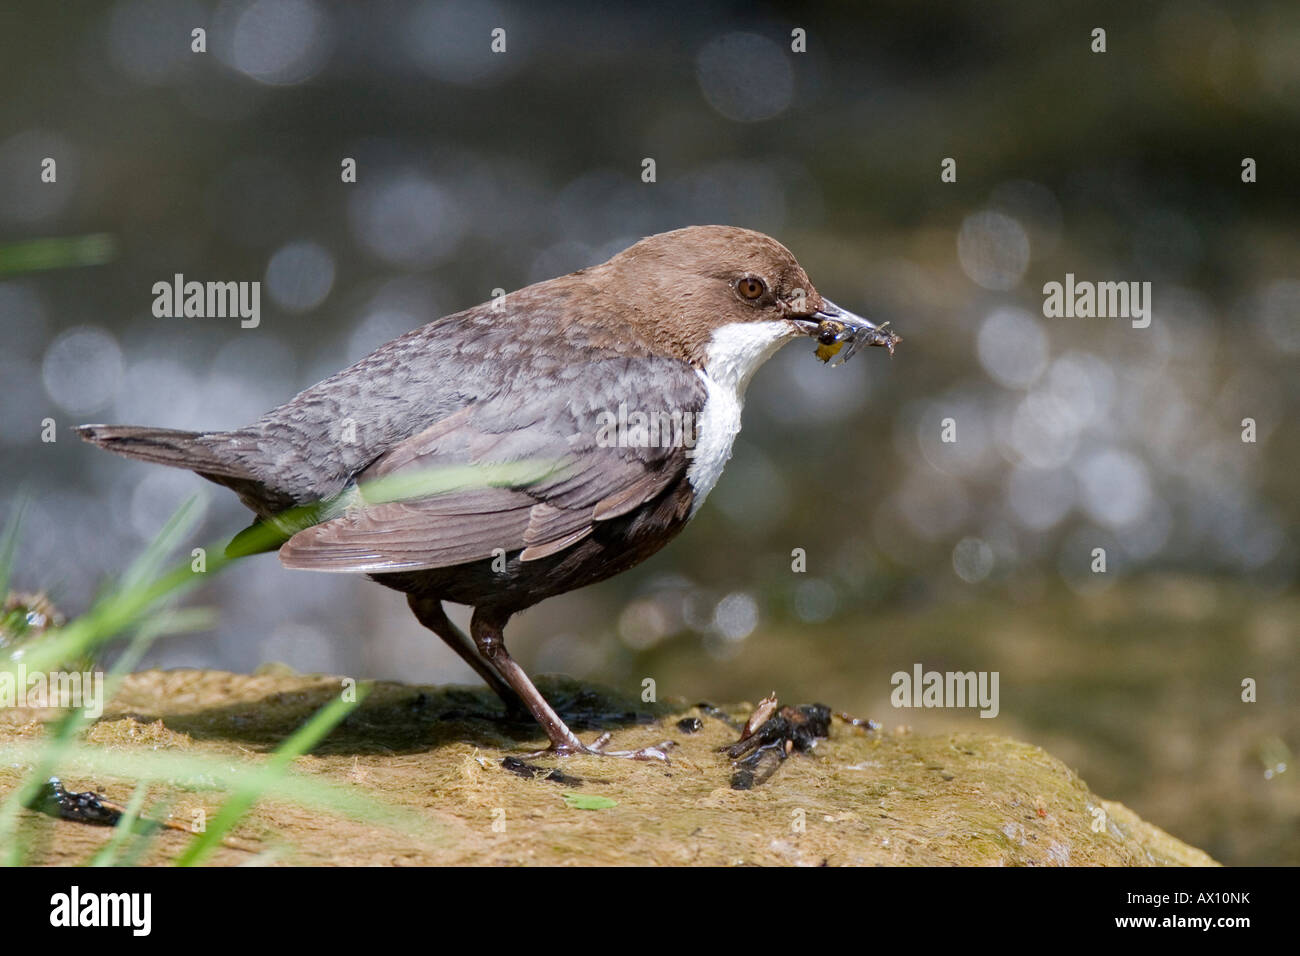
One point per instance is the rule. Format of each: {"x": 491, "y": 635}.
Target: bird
{"x": 547, "y": 390}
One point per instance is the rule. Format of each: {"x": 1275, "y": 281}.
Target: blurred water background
{"x": 479, "y": 171}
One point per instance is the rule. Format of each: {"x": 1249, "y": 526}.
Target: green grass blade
{"x": 9, "y": 544}
{"x": 149, "y": 565}
{"x": 38, "y": 255}
{"x": 135, "y": 852}
{"x": 233, "y": 810}
{"x": 200, "y": 772}
{"x": 108, "y": 853}
{"x": 144, "y": 586}
{"x": 73, "y": 721}
{"x": 12, "y": 808}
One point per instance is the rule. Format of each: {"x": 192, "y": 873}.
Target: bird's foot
{"x": 572, "y": 746}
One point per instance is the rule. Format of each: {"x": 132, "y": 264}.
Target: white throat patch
{"x": 735, "y": 353}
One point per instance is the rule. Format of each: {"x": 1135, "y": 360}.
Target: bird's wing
{"x": 532, "y": 473}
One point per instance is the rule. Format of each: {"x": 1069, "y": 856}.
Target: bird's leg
{"x": 488, "y": 636}
{"x": 430, "y": 613}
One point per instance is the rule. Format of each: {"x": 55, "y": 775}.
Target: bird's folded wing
{"x": 533, "y": 473}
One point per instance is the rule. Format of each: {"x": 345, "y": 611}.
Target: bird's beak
{"x": 840, "y": 333}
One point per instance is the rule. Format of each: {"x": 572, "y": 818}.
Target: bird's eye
{"x": 750, "y": 288}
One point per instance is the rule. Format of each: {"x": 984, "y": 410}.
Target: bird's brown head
{"x": 719, "y": 297}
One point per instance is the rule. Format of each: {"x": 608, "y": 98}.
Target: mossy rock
{"x": 861, "y": 798}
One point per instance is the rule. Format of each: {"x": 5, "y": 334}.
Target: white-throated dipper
{"x": 624, "y": 381}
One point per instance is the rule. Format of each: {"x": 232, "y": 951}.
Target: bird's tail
{"x": 195, "y": 451}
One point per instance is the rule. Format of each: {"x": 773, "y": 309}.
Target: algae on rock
{"x": 861, "y": 798}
